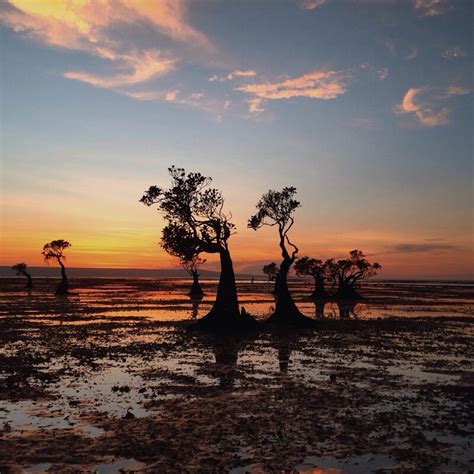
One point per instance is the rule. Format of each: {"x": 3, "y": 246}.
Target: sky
{"x": 365, "y": 106}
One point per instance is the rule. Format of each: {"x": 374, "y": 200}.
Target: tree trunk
{"x": 225, "y": 312}
{"x": 63, "y": 287}
{"x": 196, "y": 290}
{"x": 29, "y": 284}
{"x": 286, "y": 312}
{"x": 347, "y": 292}
{"x": 319, "y": 310}
{"x": 319, "y": 292}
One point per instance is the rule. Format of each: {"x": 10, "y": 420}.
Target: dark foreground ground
{"x": 109, "y": 380}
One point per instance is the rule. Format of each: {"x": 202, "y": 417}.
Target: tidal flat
{"x": 109, "y": 379}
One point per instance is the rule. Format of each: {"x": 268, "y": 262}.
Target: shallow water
{"x": 99, "y": 381}
{"x": 167, "y": 300}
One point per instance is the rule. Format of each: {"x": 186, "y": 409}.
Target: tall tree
{"x": 196, "y": 222}
{"x": 54, "y": 250}
{"x": 21, "y": 269}
{"x": 276, "y": 209}
{"x": 317, "y": 269}
{"x": 349, "y": 272}
{"x": 271, "y": 270}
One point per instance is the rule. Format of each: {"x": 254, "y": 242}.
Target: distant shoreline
{"x": 169, "y": 273}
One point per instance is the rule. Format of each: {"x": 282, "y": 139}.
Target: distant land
{"x": 157, "y": 273}
{"x": 152, "y": 273}
{"x": 54, "y": 272}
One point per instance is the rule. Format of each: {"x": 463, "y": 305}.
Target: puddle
{"x": 123, "y": 465}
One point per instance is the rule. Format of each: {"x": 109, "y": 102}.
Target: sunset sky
{"x": 364, "y": 105}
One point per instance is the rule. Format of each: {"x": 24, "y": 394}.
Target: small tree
{"x": 54, "y": 250}
{"x": 271, "y": 270}
{"x": 197, "y": 224}
{"x": 306, "y": 266}
{"x": 276, "y": 208}
{"x": 349, "y": 272}
{"x": 192, "y": 266}
{"x": 180, "y": 245}
{"x": 21, "y": 269}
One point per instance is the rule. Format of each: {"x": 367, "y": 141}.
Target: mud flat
{"x": 108, "y": 379}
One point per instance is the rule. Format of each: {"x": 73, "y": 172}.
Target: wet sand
{"x": 108, "y": 379}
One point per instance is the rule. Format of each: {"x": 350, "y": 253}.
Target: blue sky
{"x": 364, "y": 106}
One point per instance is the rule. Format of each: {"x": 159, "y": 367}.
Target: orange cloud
{"x": 85, "y": 25}
{"x": 425, "y": 114}
{"x": 322, "y": 85}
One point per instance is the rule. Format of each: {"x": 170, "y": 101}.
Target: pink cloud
{"x": 86, "y": 26}
{"x": 322, "y": 85}
{"x": 432, "y": 7}
{"x": 424, "y": 107}
{"x": 311, "y": 4}
{"x": 453, "y": 52}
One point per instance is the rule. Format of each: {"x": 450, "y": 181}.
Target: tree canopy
{"x": 271, "y": 270}
{"x": 276, "y": 208}
{"x": 20, "y": 268}
{"x": 55, "y": 249}
{"x": 306, "y": 266}
{"x": 350, "y": 271}
{"x": 194, "y": 214}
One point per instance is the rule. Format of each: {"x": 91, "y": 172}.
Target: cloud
{"x": 432, "y": 7}
{"x": 311, "y": 4}
{"x": 323, "y": 85}
{"x": 196, "y": 100}
{"x": 233, "y": 75}
{"x": 412, "y": 53}
{"x": 416, "y": 103}
{"x": 88, "y": 25}
{"x": 382, "y": 73}
{"x": 453, "y": 52}
{"x": 421, "y": 247}
{"x": 456, "y": 90}
{"x": 140, "y": 67}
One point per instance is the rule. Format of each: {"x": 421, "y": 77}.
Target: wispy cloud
{"x": 382, "y": 73}
{"x": 323, "y": 85}
{"x": 311, "y": 4}
{"x": 234, "y": 75}
{"x": 138, "y": 68}
{"x": 421, "y": 247}
{"x": 197, "y": 100}
{"x": 453, "y": 52}
{"x": 432, "y": 7}
{"x": 88, "y": 25}
{"x": 456, "y": 90}
{"x": 412, "y": 53}
{"x": 419, "y": 103}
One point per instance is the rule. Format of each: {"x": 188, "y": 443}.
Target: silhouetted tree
{"x": 276, "y": 208}
{"x": 319, "y": 308}
{"x": 21, "y": 269}
{"x": 271, "y": 270}
{"x": 196, "y": 222}
{"x": 306, "y": 266}
{"x": 347, "y": 309}
{"x": 192, "y": 266}
{"x": 349, "y": 272}
{"x": 54, "y": 250}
